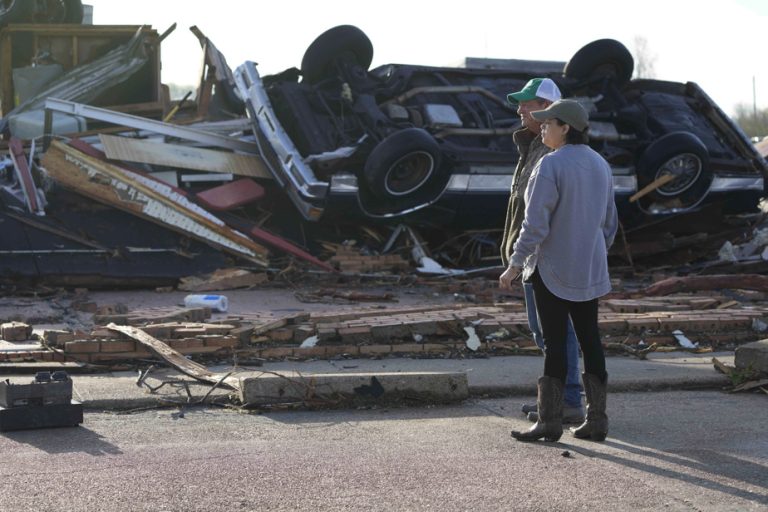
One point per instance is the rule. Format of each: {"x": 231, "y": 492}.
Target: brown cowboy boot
{"x": 550, "y": 407}
{"x": 596, "y": 424}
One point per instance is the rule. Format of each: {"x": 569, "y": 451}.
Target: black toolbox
{"x": 44, "y": 403}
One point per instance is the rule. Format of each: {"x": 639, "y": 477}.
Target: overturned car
{"x": 342, "y": 139}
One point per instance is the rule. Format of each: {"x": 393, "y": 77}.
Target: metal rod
{"x": 142, "y": 123}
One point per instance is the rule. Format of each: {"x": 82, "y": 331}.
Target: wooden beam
{"x": 658, "y": 182}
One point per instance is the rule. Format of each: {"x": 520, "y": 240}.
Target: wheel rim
{"x": 686, "y": 167}
{"x": 409, "y": 173}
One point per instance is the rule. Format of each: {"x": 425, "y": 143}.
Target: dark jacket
{"x": 531, "y": 149}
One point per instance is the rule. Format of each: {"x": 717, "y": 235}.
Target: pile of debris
{"x": 697, "y": 322}
{"x": 188, "y": 182}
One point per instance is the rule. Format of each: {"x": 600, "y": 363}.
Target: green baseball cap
{"x": 541, "y": 88}
{"x": 568, "y": 111}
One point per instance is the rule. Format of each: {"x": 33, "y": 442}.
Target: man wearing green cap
{"x": 537, "y": 94}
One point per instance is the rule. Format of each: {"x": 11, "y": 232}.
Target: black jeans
{"x": 553, "y": 316}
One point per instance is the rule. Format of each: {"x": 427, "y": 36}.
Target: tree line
{"x": 754, "y": 123}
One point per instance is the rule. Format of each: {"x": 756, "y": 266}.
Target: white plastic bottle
{"x": 215, "y": 302}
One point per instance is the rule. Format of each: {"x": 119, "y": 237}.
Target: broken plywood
{"x": 185, "y": 157}
{"x": 175, "y": 359}
{"x": 145, "y": 198}
{"x": 222, "y": 279}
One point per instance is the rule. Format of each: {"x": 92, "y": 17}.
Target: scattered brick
{"x": 355, "y": 334}
{"x": 15, "y": 331}
{"x": 118, "y": 346}
{"x": 367, "y": 350}
{"x": 282, "y": 334}
{"x": 276, "y": 352}
{"x": 82, "y": 347}
{"x": 56, "y": 338}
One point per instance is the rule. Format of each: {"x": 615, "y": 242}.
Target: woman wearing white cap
{"x": 570, "y": 222}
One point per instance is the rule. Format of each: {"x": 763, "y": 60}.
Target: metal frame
{"x": 139, "y": 123}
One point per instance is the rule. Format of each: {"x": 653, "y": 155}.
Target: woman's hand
{"x": 509, "y": 275}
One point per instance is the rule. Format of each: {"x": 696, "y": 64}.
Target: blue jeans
{"x": 572, "y": 381}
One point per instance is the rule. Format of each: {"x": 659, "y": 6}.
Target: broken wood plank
{"x": 714, "y": 282}
{"x": 175, "y": 358}
{"x": 354, "y": 295}
{"x": 146, "y": 198}
{"x": 237, "y": 223}
{"x": 222, "y": 279}
{"x": 750, "y": 385}
{"x": 24, "y": 176}
{"x": 185, "y": 157}
{"x": 216, "y": 60}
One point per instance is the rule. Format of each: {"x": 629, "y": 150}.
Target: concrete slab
{"x": 753, "y": 355}
{"x": 345, "y": 389}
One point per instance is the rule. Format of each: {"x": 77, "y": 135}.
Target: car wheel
{"x": 15, "y": 11}
{"x": 604, "y": 57}
{"x": 404, "y": 165}
{"x": 342, "y": 42}
{"x": 683, "y": 155}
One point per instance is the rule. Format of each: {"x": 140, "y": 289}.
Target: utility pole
{"x": 754, "y": 98}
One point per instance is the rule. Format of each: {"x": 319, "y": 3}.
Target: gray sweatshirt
{"x": 570, "y": 222}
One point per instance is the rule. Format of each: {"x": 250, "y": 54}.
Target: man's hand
{"x": 509, "y": 275}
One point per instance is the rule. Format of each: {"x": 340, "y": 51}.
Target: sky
{"x": 719, "y": 44}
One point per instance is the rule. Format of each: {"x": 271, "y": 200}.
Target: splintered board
{"x": 146, "y": 198}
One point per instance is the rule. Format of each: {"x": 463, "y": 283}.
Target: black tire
{"x": 344, "y": 41}
{"x": 405, "y": 165}
{"x": 601, "y": 58}
{"x": 682, "y": 154}
{"x": 15, "y": 11}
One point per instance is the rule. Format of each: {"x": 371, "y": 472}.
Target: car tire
{"x": 15, "y": 11}
{"x": 604, "y": 57}
{"x": 405, "y": 166}
{"x": 680, "y": 153}
{"x": 342, "y": 42}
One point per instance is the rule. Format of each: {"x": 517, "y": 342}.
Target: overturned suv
{"x": 342, "y": 139}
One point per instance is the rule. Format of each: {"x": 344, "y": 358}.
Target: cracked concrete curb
{"x": 501, "y": 376}
{"x": 355, "y": 388}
